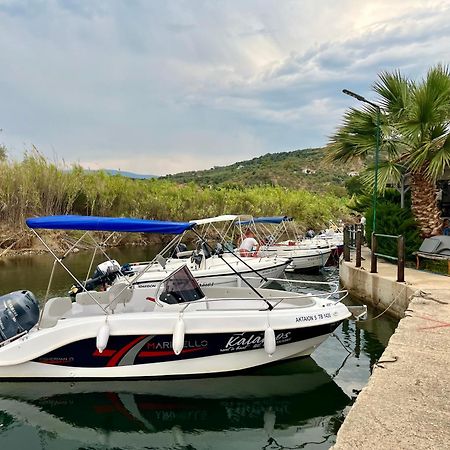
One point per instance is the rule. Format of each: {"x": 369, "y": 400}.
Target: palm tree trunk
{"x": 424, "y": 205}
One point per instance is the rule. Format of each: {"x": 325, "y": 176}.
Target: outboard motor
{"x": 205, "y": 249}
{"x": 218, "y": 250}
{"x": 181, "y": 247}
{"x": 104, "y": 274}
{"x": 19, "y": 312}
{"x": 197, "y": 258}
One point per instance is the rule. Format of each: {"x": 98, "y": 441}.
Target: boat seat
{"x": 118, "y": 293}
{"x": 53, "y": 310}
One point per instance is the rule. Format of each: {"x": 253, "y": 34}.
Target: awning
{"x": 276, "y": 219}
{"x": 93, "y": 223}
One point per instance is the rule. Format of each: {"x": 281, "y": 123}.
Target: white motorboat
{"x": 302, "y": 258}
{"x": 211, "y": 266}
{"x": 212, "y": 270}
{"x": 171, "y": 328}
{"x": 305, "y": 254}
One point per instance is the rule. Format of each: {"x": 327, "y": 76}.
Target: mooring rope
{"x": 390, "y": 304}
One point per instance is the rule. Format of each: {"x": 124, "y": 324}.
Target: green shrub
{"x": 393, "y": 220}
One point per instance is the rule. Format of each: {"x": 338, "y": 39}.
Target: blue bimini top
{"x": 276, "y": 219}
{"x": 92, "y": 223}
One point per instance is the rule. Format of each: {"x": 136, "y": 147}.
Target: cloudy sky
{"x": 163, "y": 86}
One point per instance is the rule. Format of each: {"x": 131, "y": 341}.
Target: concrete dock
{"x": 406, "y": 403}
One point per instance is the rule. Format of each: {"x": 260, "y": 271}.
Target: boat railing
{"x": 331, "y": 284}
{"x": 326, "y": 296}
{"x": 275, "y": 300}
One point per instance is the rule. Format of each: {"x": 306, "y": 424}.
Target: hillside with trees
{"x": 300, "y": 169}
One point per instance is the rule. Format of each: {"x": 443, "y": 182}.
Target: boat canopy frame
{"x": 80, "y": 223}
{"x": 271, "y": 229}
{"x": 112, "y": 225}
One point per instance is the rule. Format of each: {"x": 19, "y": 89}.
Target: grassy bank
{"x": 36, "y": 187}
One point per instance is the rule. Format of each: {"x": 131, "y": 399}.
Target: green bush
{"x": 393, "y": 220}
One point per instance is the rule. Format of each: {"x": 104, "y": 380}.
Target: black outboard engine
{"x": 104, "y": 274}
{"x": 19, "y": 312}
{"x": 218, "y": 250}
{"x": 205, "y": 248}
{"x": 178, "y": 249}
{"x": 197, "y": 258}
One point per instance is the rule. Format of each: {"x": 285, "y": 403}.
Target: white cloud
{"x": 161, "y": 87}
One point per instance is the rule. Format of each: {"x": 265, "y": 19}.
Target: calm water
{"x": 298, "y": 404}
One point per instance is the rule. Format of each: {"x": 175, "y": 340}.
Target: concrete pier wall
{"x": 406, "y": 404}
{"x": 377, "y": 289}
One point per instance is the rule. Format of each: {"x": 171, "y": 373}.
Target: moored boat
{"x": 305, "y": 254}
{"x": 171, "y": 328}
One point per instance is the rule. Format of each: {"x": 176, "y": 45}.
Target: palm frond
{"x": 389, "y": 172}
{"x": 393, "y": 90}
{"x": 357, "y": 136}
{"x": 440, "y": 159}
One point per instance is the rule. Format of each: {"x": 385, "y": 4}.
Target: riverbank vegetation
{"x": 38, "y": 187}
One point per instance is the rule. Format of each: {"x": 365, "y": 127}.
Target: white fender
{"x": 270, "y": 344}
{"x": 102, "y": 337}
{"x": 178, "y": 336}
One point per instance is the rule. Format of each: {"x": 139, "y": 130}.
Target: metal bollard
{"x": 346, "y": 243}
{"x": 358, "y": 247}
{"x": 401, "y": 259}
{"x": 373, "y": 259}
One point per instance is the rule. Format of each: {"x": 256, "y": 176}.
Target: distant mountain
{"x": 299, "y": 169}
{"x": 126, "y": 174}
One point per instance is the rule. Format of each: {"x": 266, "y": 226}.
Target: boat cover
{"x": 93, "y": 223}
{"x": 276, "y": 219}
{"x": 224, "y": 218}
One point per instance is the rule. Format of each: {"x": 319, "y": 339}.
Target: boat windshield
{"x": 180, "y": 287}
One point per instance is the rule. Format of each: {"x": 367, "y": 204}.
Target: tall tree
{"x": 415, "y": 137}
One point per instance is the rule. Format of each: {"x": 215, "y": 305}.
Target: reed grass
{"x": 35, "y": 187}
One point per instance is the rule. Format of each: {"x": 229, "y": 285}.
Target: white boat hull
{"x": 140, "y": 345}
{"x": 254, "y": 270}
{"x": 205, "y": 366}
{"x": 302, "y": 259}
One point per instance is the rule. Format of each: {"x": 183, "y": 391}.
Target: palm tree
{"x": 415, "y": 138}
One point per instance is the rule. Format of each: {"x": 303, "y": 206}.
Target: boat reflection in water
{"x": 284, "y": 405}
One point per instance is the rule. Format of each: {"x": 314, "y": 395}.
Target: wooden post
{"x": 373, "y": 259}
{"x": 358, "y": 247}
{"x": 401, "y": 259}
{"x": 346, "y": 243}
